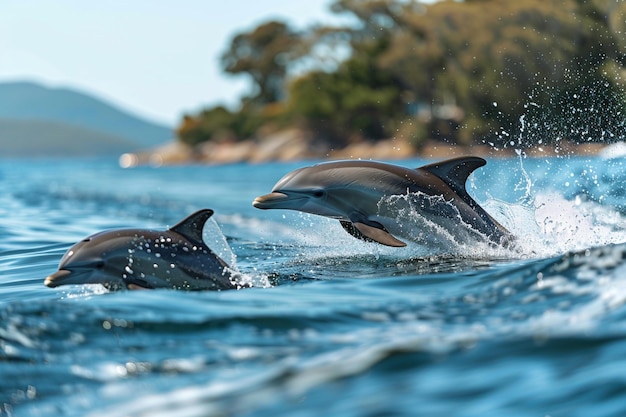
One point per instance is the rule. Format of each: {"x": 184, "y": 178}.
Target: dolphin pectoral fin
{"x": 377, "y": 234}
{"x": 136, "y": 287}
{"x": 353, "y": 231}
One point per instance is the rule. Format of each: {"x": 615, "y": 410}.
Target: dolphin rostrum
{"x": 369, "y": 198}
{"x": 141, "y": 259}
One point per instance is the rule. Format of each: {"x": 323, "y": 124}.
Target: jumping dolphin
{"x": 359, "y": 194}
{"x": 141, "y": 259}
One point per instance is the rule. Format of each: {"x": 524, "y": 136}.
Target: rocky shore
{"x": 290, "y": 145}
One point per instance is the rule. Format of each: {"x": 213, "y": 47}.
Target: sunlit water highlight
{"x": 334, "y": 326}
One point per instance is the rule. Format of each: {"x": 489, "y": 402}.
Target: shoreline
{"x": 294, "y": 145}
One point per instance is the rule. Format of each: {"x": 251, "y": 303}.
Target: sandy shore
{"x": 294, "y": 144}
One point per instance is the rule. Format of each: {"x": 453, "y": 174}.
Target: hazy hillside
{"x": 34, "y": 138}
{"x": 30, "y": 101}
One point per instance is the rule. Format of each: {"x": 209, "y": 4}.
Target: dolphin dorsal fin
{"x": 454, "y": 172}
{"x": 191, "y": 227}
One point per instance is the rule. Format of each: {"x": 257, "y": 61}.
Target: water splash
{"x": 554, "y": 225}
{"x": 581, "y": 110}
{"x": 214, "y": 238}
{"x": 567, "y": 207}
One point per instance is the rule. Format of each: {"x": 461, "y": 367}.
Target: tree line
{"x": 498, "y": 71}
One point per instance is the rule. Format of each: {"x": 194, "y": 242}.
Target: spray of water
{"x": 575, "y": 213}
{"x": 216, "y": 241}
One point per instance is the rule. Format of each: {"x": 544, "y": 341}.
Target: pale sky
{"x": 157, "y": 59}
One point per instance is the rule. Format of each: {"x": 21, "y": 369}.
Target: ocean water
{"x": 332, "y": 325}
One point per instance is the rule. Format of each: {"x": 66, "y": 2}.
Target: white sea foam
{"x": 556, "y": 225}
{"x": 614, "y": 151}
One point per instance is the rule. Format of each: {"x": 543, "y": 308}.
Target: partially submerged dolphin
{"x": 360, "y": 194}
{"x": 141, "y": 259}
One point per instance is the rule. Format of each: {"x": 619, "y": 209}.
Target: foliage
{"x": 357, "y": 101}
{"x": 484, "y": 56}
{"x": 264, "y": 55}
{"x": 465, "y": 72}
{"x": 220, "y": 124}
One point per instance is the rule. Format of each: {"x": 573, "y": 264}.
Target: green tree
{"x": 356, "y": 101}
{"x": 214, "y": 123}
{"x": 491, "y": 57}
{"x": 462, "y": 71}
{"x": 220, "y": 124}
{"x": 264, "y": 54}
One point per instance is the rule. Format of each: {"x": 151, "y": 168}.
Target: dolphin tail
{"x": 374, "y": 232}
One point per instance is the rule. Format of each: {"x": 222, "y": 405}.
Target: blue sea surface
{"x": 332, "y": 325}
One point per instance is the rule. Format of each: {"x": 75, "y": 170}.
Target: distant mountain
{"x": 36, "y": 138}
{"x": 30, "y": 101}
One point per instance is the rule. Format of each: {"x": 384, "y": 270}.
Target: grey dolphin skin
{"x": 357, "y": 193}
{"x": 144, "y": 259}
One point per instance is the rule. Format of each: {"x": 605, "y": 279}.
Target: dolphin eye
{"x": 318, "y": 193}
{"x": 99, "y": 265}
